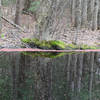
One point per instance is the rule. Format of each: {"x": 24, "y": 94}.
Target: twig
{"x": 13, "y": 24}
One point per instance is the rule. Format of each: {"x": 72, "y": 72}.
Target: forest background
{"x": 72, "y": 21}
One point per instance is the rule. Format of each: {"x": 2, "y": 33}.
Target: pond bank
{"x": 84, "y": 37}
{"x": 39, "y": 50}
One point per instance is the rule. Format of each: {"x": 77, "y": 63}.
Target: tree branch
{"x": 13, "y": 24}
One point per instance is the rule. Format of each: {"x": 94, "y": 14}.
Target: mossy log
{"x": 54, "y": 45}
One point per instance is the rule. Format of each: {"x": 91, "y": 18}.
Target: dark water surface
{"x": 49, "y": 77}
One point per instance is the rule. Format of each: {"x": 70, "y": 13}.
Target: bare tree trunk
{"x": 27, "y": 5}
{"x": 70, "y": 3}
{"x": 84, "y": 13}
{"x": 73, "y": 12}
{"x": 18, "y": 12}
{"x": 51, "y": 12}
{"x": 90, "y": 12}
{"x": 78, "y": 14}
{"x": 98, "y": 22}
{"x": 95, "y": 15}
{"x": 98, "y": 18}
{"x": 0, "y": 17}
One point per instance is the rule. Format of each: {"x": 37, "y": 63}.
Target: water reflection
{"x": 67, "y": 77}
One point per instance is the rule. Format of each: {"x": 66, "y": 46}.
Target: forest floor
{"x": 10, "y": 36}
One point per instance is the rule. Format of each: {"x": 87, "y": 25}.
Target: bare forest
{"x": 71, "y": 21}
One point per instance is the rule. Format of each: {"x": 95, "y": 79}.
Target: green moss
{"x": 71, "y": 46}
{"x": 45, "y": 44}
{"x": 55, "y": 44}
{"x": 26, "y": 40}
{"x": 59, "y": 43}
{"x": 2, "y": 35}
{"x": 92, "y": 47}
{"x": 84, "y": 47}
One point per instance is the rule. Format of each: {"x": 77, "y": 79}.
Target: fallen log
{"x": 13, "y": 24}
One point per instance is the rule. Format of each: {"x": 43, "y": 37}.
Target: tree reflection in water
{"x": 67, "y": 77}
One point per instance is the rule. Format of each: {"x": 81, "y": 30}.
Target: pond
{"x": 49, "y": 76}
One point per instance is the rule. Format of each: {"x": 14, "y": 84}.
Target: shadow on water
{"x": 45, "y": 76}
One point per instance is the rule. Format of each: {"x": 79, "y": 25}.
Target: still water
{"x": 37, "y": 76}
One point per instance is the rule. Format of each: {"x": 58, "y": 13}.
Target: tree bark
{"x": 84, "y": 13}
{"x": 99, "y": 18}
{"x": 78, "y": 14}
{"x": 95, "y": 15}
{"x": 90, "y": 12}
{"x": 0, "y": 17}
{"x": 73, "y": 12}
{"x": 27, "y": 4}
{"x": 18, "y": 12}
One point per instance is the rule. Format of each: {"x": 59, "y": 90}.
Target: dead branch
{"x": 13, "y": 24}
